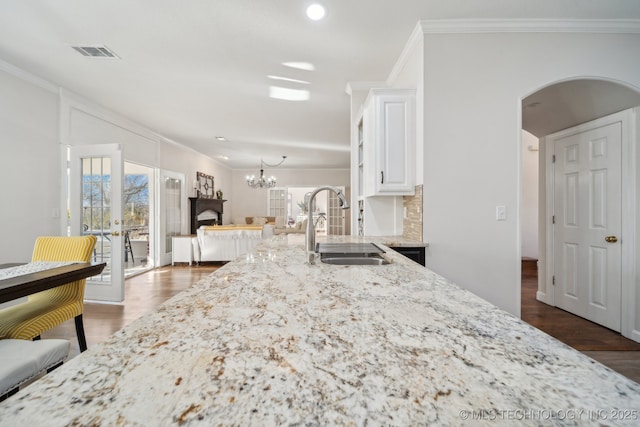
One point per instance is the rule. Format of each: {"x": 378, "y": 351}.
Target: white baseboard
{"x": 542, "y": 297}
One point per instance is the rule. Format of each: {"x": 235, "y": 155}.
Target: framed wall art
{"x": 204, "y": 186}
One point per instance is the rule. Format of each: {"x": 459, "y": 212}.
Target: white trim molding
{"x": 416, "y": 40}
{"x": 28, "y": 77}
{"x": 461, "y": 26}
{"x": 631, "y": 324}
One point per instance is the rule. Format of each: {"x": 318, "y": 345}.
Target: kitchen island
{"x": 270, "y": 340}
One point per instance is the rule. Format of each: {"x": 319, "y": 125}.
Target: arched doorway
{"x": 556, "y": 107}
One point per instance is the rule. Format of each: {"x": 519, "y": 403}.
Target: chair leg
{"x": 54, "y": 367}
{"x": 82, "y": 341}
{"x": 9, "y": 393}
{"x": 127, "y": 248}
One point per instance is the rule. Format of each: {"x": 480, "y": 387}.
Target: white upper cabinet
{"x": 387, "y": 148}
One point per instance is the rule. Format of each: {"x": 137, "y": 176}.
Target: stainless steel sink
{"x": 348, "y": 248}
{"x": 351, "y": 254}
{"x": 352, "y": 259}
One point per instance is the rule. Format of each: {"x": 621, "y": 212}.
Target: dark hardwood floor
{"x": 600, "y": 343}
{"x": 147, "y": 291}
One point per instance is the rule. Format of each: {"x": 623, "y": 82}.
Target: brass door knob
{"x": 611, "y": 239}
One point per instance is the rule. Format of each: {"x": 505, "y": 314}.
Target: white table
{"x": 181, "y": 249}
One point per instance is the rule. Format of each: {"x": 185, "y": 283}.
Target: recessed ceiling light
{"x": 223, "y": 157}
{"x": 315, "y": 12}
{"x": 306, "y": 66}
{"x": 287, "y": 94}
{"x": 287, "y": 79}
{"x": 221, "y": 138}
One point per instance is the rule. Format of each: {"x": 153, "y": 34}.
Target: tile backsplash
{"x": 412, "y": 224}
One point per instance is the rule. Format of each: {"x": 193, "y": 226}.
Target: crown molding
{"x": 28, "y": 77}
{"x": 461, "y": 26}
{"x": 416, "y": 39}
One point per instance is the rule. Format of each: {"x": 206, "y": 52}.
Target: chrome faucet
{"x": 310, "y": 235}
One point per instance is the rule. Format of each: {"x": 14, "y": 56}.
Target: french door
{"x": 331, "y": 218}
{"x": 172, "y": 206}
{"x": 95, "y": 207}
{"x": 335, "y": 214}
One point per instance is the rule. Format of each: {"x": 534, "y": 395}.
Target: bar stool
{"x": 22, "y": 360}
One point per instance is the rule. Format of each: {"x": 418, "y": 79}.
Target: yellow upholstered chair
{"x": 46, "y": 309}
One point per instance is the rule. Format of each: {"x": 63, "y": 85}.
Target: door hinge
{"x": 553, "y": 219}
{"x": 553, "y": 158}
{"x": 553, "y": 280}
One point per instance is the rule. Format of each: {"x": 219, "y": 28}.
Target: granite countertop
{"x": 399, "y": 241}
{"x": 269, "y": 340}
{"x": 390, "y": 241}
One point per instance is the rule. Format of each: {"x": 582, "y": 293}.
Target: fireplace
{"x": 204, "y": 212}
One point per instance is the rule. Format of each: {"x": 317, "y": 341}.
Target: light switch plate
{"x": 501, "y": 213}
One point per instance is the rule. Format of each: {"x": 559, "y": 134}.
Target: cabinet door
{"x": 391, "y": 142}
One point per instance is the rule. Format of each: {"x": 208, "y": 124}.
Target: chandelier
{"x": 262, "y": 181}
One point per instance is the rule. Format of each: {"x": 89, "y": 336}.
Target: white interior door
{"x": 588, "y": 204}
{"x": 95, "y": 207}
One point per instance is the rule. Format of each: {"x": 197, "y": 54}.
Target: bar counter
{"x": 268, "y": 340}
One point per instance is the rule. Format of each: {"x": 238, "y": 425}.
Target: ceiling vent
{"x": 96, "y": 51}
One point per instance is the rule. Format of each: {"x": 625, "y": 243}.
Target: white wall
{"x": 251, "y": 202}
{"x": 474, "y": 84}
{"x": 29, "y": 166}
{"x": 177, "y": 158}
{"x": 84, "y": 123}
{"x": 68, "y": 119}
{"x": 37, "y": 120}
{"x": 529, "y": 198}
